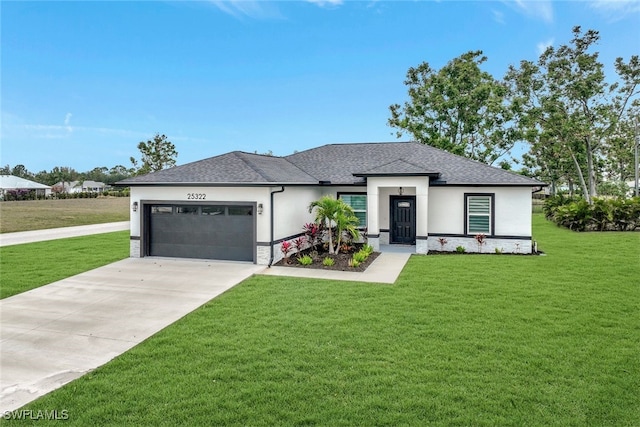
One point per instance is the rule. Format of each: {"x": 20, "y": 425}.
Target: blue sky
{"x": 83, "y": 82}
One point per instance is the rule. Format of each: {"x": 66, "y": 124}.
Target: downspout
{"x": 271, "y": 256}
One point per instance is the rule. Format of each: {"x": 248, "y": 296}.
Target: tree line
{"x": 155, "y": 154}
{"x": 579, "y": 126}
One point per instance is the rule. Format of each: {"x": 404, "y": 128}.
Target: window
{"x": 161, "y": 210}
{"x": 479, "y": 213}
{"x": 189, "y": 210}
{"x": 359, "y": 204}
{"x": 241, "y": 210}
{"x": 213, "y": 210}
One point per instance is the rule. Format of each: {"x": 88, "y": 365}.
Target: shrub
{"x": 360, "y": 256}
{"x": 368, "y": 249}
{"x": 481, "y": 239}
{"x": 353, "y": 263}
{"x": 498, "y": 251}
{"x": 328, "y": 262}
{"x": 286, "y": 247}
{"x": 604, "y": 214}
{"x": 305, "y": 260}
{"x": 442, "y": 242}
{"x": 461, "y": 249}
{"x": 299, "y": 243}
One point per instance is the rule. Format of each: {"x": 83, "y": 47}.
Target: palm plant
{"x": 335, "y": 213}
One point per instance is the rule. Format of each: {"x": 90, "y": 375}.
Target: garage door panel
{"x": 209, "y": 232}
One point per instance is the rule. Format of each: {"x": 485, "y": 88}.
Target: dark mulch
{"x": 341, "y": 260}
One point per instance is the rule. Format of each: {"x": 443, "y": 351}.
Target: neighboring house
{"x": 10, "y": 182}
{"x": 241, "y": 206}
{"x": 80, "y": 186}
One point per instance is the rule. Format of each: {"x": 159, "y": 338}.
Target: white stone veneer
{"x": 507, "y": 246}
{"x": 134, "y": 248}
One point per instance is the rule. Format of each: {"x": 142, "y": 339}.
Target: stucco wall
{"x": 290, "y": 209}
{"x": 212, "y": 194}
{"x": 512, "y": 209}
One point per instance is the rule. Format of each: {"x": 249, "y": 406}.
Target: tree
{"x": 62, "y": 174}
{"x": 99, "y": 174}
{"x": 336, "y": 213}
{"x": 157, "y": 154}
{"x": 569, "y": 111}
{"x": 619, "y": 147}
{"x": 21, "y": 172}
{"x": 460, "y": 109}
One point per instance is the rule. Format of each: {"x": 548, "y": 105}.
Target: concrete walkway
{"x": 8, "y": 239}
{"x": 54, "y": 334}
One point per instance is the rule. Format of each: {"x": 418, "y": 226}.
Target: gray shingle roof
{"x": 396, "y": 167}
{"x": 231, "y": 168}
{"x": 336, "y": 163}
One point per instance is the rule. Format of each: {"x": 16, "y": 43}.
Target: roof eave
{"x": 209, "y": 184}
{"x": 380, "y": 174}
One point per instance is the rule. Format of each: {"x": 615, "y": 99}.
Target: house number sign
{"x": 196, "y": 196}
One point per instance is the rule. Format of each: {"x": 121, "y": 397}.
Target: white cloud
{"x": 542, "y": 46}
{"x": 67, "y": 122}
{"x": 615, "y": 10}
{"x": 498, "y": 16}
{"x": 539, "y": 9}
{"x": 250, "y": 8}
{"x": 327, "y": 3}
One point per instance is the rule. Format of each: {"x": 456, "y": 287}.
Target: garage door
{"x": 223, "y": 232}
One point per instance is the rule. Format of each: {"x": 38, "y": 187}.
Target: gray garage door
{"x": 223, "y": 232}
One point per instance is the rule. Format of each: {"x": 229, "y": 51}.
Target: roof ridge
{"x": 400, "y": 159}
{"x": 255, "y": 168}
{"x": 261, "y": 172}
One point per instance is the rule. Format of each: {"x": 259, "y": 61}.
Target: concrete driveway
{"x": 54, "y": 334}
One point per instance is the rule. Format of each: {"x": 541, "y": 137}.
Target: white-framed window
{"x": 358, "y": 202}
{"x": 479, "y": 213}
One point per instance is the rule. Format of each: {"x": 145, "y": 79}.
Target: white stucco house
{"x": 86, "y": 186}
{"x": 242, "y": 206}
{"x": 10, "y": 182}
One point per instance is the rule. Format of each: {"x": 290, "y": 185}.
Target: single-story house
{"x": 10, "y": 182}
{"x": 86, "y": 186}
{"x": 242, "y": 206}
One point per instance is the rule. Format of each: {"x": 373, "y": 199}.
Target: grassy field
{"x": 42, "y": 214}
{"x": 460, "y": 340}
{"x": 24, "y": 267}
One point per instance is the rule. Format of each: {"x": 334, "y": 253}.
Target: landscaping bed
{"x": 341, "y": 260}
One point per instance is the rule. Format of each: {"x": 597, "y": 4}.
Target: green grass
{"x": 459, "y": 340}
{"x": 43, "y": 214}
{"x": 28, "y": 266}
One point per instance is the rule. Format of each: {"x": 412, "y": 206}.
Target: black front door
{"x": 403, "y": 220}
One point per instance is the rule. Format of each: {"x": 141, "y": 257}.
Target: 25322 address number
{"x": 196, "y": 196}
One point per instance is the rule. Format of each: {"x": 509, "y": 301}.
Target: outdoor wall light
{"x": 260, "y": 208}
{"x": 400, "y": 191}
{"x": 134, "y": 207}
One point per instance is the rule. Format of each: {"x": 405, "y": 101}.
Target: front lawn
{"x": 458, "y": 340}
{"x": 28, "y": 266}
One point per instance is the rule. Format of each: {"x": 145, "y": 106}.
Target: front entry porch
{"x": 397, "y": 213}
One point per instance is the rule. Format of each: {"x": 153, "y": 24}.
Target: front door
{"x": 403, "y": 220}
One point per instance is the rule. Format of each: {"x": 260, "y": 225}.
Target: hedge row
{"x": 602, "y": 215}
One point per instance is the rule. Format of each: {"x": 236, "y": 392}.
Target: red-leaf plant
{"x": 286, "y": 247}
{"x": 312, "y": 231}
{"x": 481, "y": 239}
{"x": 443, "y": 242}
{"x": 299, "y": 243}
